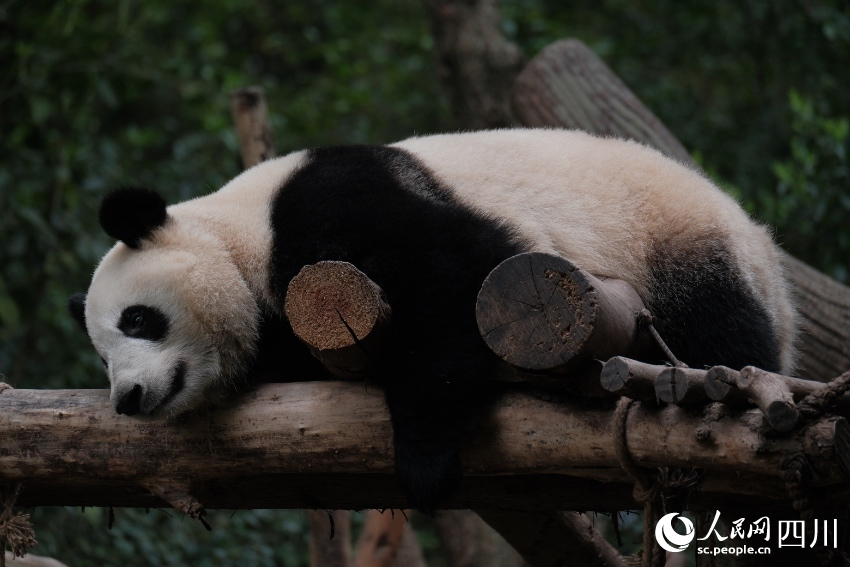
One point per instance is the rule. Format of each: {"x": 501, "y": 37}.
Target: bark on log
{"x": 475, "y": 63}
{"x": 721, "y": 386}
{"x": 553, "y": 538}
{"x": 298, "y": 444}
{"x": 566, "y": 85}
{"x": 542, "y": 314}
{"x": 330, "y": 538}
{"x": 340, "y": 314}
{"x": 772, "y": 396}
{"x": 380, "y": 540}
{"x": 681, "y": 386}
{"x": 248, "y": 107}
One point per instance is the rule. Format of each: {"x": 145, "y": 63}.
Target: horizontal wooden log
{"x": 681, "y": 386}
{"x": 721, "y": 386}
{"x": 542, "y": 314}
{"x": 771, "y": 394}
{"x": 310, "y": 445}
{"x": 631, "y": 378}
{"x": 340, "y": 314}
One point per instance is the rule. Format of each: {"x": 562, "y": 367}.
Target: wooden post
{"x": 330, "y": 538}
{"x": 381, "y": 538}
{"x": 248, "y": 106}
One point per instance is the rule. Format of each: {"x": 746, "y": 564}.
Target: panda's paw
{"x": 427, "y": 480}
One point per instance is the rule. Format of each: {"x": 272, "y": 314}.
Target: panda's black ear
{"x": 131, "y": 214}
{"x": 77, "y": 309}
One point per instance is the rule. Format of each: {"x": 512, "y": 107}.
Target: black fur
{"x": 143, "y": 322}
{"x": 131, "y": 214}
{"x": 77, "y": 309}
{"x": 705, "y": 312}
{"x": 377, "y": 208}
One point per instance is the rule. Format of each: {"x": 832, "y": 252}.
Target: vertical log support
{"x": 251, "y": 116}
{"x": 330, "y": 538}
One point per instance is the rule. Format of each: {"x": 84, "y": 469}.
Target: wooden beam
{"x": 251, "y": 116}
{"x": 278, "y": 445}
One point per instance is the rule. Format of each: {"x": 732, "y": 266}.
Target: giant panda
{"x": 189, "y": 304}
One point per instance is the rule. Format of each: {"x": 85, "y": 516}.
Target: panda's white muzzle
{"x": 135, "y": 398}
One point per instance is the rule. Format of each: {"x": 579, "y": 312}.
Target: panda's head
{"x": 167, "y": 310}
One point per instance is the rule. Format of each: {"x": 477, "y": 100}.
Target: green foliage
{"x": 140, "y": 538}
{"x": 812, "y": 203}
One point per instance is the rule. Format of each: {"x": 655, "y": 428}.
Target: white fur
{"x": 602, "y": 202}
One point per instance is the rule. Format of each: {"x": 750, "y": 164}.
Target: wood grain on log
{"x": 566, "y": 85}
{"x": 721, "y": 385}
{"x": 772, "y": 396}
{"x": 54, "y": 441}
{"x": 626, "y": 377}
{"x": 248, "y": 107}
{"x": 540, "y": 313}
{"x": 340, "y": 314}
{"x": 681, "y": 386}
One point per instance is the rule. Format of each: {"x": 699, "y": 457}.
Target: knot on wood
{"x": 15, "y": 529}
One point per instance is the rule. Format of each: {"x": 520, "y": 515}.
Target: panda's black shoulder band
{"x": 131, "y": 214}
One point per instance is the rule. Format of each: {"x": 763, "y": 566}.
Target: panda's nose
{"x": 130, "y": 401}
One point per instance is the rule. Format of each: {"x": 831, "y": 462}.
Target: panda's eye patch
{"x": 143, "y": 322}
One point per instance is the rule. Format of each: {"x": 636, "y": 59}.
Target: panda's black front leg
{"x": 434, "y": 400}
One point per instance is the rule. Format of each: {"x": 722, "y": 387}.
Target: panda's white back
{"x": 603, "y": 203}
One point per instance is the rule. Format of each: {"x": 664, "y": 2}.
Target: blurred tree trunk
{"x": 475, "y": 63}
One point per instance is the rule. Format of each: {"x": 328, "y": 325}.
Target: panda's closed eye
{"x": 143, "y": 322}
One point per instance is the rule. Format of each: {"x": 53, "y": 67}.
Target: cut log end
{"x": 782, "y": 415}
{"x": 340, "y": 314}
{"x": 625, "y": 377}
{"x": 331, "y": 305}
{"x": 536, "y": 311}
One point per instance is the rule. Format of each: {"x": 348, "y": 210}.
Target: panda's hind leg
{"x": 705, "y": 311}
{"x": 434, "y": 402}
